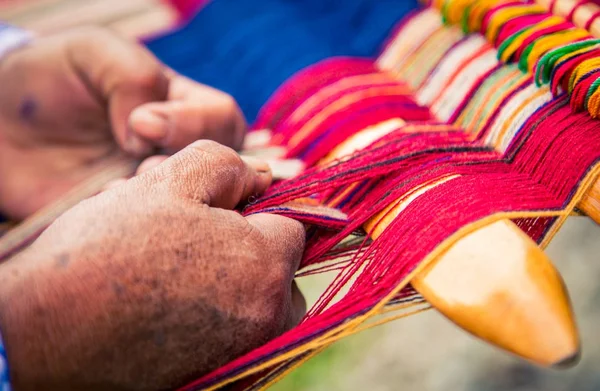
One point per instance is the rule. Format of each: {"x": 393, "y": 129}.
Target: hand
{"x": 152, "y": 283}
{"x": 73, "y": 102}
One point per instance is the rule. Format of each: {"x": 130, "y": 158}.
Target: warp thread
{"x": 561, "y": 54}
{"x": 483, "y": 140}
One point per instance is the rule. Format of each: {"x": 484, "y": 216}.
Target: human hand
{"x": 73, "y": 102}
{"x": 152, "y": 283}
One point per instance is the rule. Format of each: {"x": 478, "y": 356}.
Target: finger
{"x": 298, "y": 306}
{"x": 123, "y": 74}
{"x": 284, "y": 239}
{"x": 114, "y": 183}
{"x": 149, "y": 163}
{"x": 192, "y": 112}
{"x": 214, "y": 174}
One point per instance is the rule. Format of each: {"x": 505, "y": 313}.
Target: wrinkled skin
{"x": 157, "y": 280}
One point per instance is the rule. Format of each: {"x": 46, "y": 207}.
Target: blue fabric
{"x": 4, "y": 375}
{"x": 249, "y": 48}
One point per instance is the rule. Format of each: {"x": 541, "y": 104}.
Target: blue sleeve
{"x": 11, "y": 38}
{"x": 4, "y": 374}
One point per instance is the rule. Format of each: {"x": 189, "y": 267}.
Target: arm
{"x": 167, "y": 285}
{"x": 157, "y": 280}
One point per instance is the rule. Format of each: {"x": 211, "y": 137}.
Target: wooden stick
{"x": 495, "y": 283}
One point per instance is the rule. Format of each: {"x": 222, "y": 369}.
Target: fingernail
{"x": 258, "y": 165}
{"x": 136, "y": 146}
{"x": 149, "y": 124}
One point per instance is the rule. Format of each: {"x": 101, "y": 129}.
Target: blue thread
{"x": 250, "y": 48}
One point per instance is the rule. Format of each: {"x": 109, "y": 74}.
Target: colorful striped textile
{"x": 473, "y": 111}
{"x": 458, "y": 138}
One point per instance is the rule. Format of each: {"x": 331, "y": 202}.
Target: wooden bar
{"x": 495, "y": 283}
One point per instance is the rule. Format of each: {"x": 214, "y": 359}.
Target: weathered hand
{"x": 72, "y": 102}
{"x": 154, "y": 282}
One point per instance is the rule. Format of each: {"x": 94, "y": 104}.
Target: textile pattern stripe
{"x": 481, "y": 137}
{"x": 466, "y": 130}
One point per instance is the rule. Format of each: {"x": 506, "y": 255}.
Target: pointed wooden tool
{"x": 495, "y": 283}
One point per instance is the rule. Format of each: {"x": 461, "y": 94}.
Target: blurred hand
{"x": 152, "y": 283}
{"x": 72, "y": 102}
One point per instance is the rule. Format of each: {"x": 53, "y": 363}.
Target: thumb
{"x": 123, "y": 74}
{"x": 193, "y": 112}
{"x": 215, "y": 175}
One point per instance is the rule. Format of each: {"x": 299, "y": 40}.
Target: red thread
{"x": 571, "y": 13}
{"x": 591, "y": 20}
{"x": 545, "y": 162}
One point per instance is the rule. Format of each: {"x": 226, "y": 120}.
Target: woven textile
{"x": 458, "y": 138}
{"x": 469, "y": 112}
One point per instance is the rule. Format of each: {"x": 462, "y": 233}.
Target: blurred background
{"x": 423, "y": 352}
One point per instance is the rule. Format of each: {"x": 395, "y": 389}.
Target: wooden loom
{"x": 499, "y": 267}
{"x": 529, "y": 268}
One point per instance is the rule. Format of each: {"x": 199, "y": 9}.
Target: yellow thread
{"x": 375, "y": 79}
{"x": 348, "y": 327}
{"x": 293, "y": 367}
{"x": 584, "y": 186}
{"x": 406, "y": 50}
{"x": 594, "y": 104}
{"x": 542, "y": 45}
{"x": 481, "y": 107}
{"x": 581, "y": 70}
{"x": 421, "y": 62}
{"x": 478, "y": 11}
{"x": 517, "y": 42}
{"x": 341, "y": 104}
{"x": 574, "y": 53}
{"x": 508, "y": 122}
{"x": 500, "y": 17}
{"x": 354, "y": 325}
{"x": 355, "y": 331}
{"x": 456, "y": 9}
